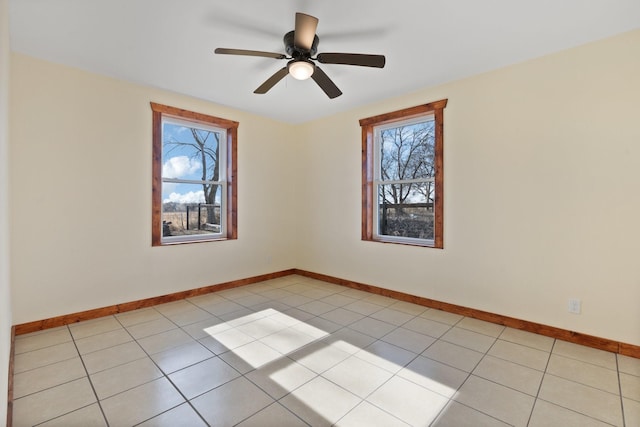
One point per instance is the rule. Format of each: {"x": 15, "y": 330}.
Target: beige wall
{"x": 81, "y": 195}
{"x": 541, "y": 169}
{"x": 5, "y": 294}
{"x": 542, "y": 194}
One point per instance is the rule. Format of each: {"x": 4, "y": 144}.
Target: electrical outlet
{"x": 575, "y": 306}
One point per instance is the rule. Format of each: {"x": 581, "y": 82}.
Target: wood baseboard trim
{"x": 11, "y": 371}
{"x": 525, "y": 325}
{"x": 67, "y": 319}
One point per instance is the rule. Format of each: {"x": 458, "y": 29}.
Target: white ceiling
{"x": 169, "y": 43}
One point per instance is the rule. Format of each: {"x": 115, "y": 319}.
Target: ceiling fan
{"x": 301, "y": 45}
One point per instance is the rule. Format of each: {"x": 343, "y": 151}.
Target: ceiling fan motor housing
{"x": 298, "y": 52}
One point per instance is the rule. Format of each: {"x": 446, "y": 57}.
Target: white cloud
{"x": 190, "y": 197}
{"x": 178, "y": 167}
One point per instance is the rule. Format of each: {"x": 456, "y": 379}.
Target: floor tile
{"x": 135, "y": 317}
{"x": 363, "y": 307}
{"x": 481, "y": 327}
{"x": 520, "y": 354}
{"x": 630, "y": 386}
{"x": 94, "y": 327}
{"x": 629, "y": 365}
{"x": 250, "y": 356}
{"x": 153, "y": 327}
{"x": 164, "y": 341}
{"x": 251, "y": 300}
{"x": 357, "y": 376}
{"x": 408, "y": 401}
{"x": 409, "y": 340}
{"x": 342, "y": 316}
{"x": 287, "y": 340}
{"x": 585, "y": 354}
{"x": 453, "y": 355}
{"x": 262, "y": 327}
{"x": 380, "y": 300}
{"x": 102, "y": 341}
{"x": 442, "y": 316}
{"x": 141, "y": 403}
{"x": 231, "y": 403}
{"x": 386, "y": 356}
{"x": 319, "y": 356}
{"x": 280, "y": 377}
{"x": 203, "y": 377}
{"x": 181, "y": 357}
{"x": 528, "y": 339}
{"x": 51, "y": 403}
{"x": 113, "y": 356}
{"x": 427, "y": 327}
{"x": 547, "y": 414}
{"x": 365, "y": 414}
{"x": 580, "y": 398}
{"x": 469, "y": 339}
{"x": 184, "y": 318}
{"x": 338, "y": 300}
{"x": 229, "y": 339}
{"x": 584, "y": 373}
{"x": 320, "y": 402}
{"x": 458, "y": 415}
{"x": 274, "y": 415}
{"x": 408, "y": 308}
{"x": 222, "y": 307}
{"x": 631, "y": 412}
{"x": 48, "y": 338}
{"x": 48, "y": 376}
{"x": 89, "y": 416}
{"x": 435, "y": 376}
{"x": 316, "y": 307}
{"x": 509, "y": 374}
{"x": 183, "y": 415}
{"x": 44, "y": 356}
{"x": 296, "y": 300}
{"x": 322, "y": 327}
{"x": 349, "y": 340}
{"x": 198, "y": 330}
{"x": 124, "y": 377}
{"x": 503, "y": 403}
{"x": 392, "y": 316}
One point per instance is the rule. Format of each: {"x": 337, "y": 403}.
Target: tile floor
{"x": 295, "y": 351}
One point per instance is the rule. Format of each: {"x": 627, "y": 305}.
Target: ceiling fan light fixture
{"x": 301, "y": 69}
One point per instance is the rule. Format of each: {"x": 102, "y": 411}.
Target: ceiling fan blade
{"x": 325, "y": 83}
{"x": 249, "y": 53}
{"x": 305, "y": 31}
{"x": 359, "y": 59}
{"x": 271, "y": 81}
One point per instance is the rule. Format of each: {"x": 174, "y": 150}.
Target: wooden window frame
{"x": 231, "y": 127}
{"x": 369, "y": 203}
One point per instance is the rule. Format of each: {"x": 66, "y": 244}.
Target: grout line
{"x": 12, "y": 351}
{"x": 620, "y": 391}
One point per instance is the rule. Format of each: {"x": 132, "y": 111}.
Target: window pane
{"x": 190, "y": 153}
{"x": 407, "y": 152}
{"x": 185, "y": 211}
{"x": 406, "y": 210}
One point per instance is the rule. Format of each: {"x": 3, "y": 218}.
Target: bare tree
{"x": 407, "y": 153}
{"x": 207, "y": 152}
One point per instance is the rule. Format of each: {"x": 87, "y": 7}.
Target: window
{"x": 402, "y": 188}
{"x": 194, "y": 177}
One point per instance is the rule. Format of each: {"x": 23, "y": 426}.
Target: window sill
{"x": 188, "y": 242}
{"x": 405, "y": 242}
